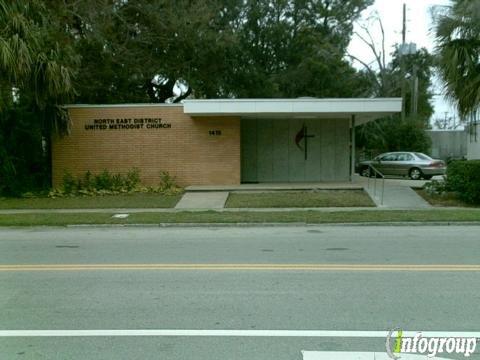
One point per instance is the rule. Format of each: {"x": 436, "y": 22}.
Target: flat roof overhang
{"x": 364, "y": 109}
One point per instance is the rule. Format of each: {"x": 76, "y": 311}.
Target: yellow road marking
{"x": 237, "y": 267}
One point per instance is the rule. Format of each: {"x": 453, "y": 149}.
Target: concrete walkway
{"x": 203, "y": 200}
{"x": 395, "y": 196}
{"x": 397, "y": 193}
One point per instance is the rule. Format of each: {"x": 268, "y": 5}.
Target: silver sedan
{"x": 412, "y": 164}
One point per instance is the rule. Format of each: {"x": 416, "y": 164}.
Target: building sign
{"x": 303, "y": 135}
{"x": 127, "y": 124}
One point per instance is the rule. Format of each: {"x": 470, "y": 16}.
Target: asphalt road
{"x": 261, "y": 278}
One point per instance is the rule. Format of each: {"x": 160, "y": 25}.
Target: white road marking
{"x": 228, "y": 333}
{"x": 120, "y": 216}
{"x": 348, "y": 355}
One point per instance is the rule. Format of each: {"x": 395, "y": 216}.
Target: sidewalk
{"x": 174, "y": 210}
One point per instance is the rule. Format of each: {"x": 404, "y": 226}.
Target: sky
{"x": 419, "y": 30}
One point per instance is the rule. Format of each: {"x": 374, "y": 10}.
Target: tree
{"x": 152, "y": 51}
{"x": 458, "y": 49}
{"x": 35, "y": 76}
{"x": 386, "y": 78}
{"x": 448, "y": 122}
{"x": 235, "y": 48}
{"x": 295, "y": 48}
{"x": 30, "y": 61}
{"x": 418, "y": 68}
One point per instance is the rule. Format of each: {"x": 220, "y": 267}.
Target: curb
{"x": 292, "y": 224}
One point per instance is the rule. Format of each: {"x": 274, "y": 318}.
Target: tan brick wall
{"x": 186, "y": 150}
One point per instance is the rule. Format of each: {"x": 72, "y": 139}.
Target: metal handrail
{"x": 376, "y": 171}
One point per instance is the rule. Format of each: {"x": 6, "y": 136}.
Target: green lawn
{"x": 135, "y": 200}
{"x": 309, "y": 217}
{"x": 301, "y": 199}
{"x": 448, "y": 199}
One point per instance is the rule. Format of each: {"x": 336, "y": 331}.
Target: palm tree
{"x": 458, "y": 50}
{"x": 35, "y": 78}
{"x": 30, "y": 60}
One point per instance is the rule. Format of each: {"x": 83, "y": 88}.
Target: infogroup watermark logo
{"x": 396, "y": 344}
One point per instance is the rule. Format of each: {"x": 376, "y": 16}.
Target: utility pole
{"x": 402, "y": 62}
{"x": 414, "y": 97}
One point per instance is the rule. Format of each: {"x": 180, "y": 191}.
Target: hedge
{"x": 463, "y": 177}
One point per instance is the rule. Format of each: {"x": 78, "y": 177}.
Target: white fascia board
{"x": 239, "y": 107}
{"x": 137, "y": 105}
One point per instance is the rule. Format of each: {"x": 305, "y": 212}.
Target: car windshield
{"x": 423, "y": 156}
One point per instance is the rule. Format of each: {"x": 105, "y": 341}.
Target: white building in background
{"x": 448, "y": 144}
{"x": 473, "y": 138}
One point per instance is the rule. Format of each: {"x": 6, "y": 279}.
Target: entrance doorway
{"x": 295, "y": 150}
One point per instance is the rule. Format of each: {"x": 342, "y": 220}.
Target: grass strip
{"x": 212, "y": 217}
{"x": 135, "y": 200}
{"x": 447, "y": 199}
{"x": 301, "y": 199}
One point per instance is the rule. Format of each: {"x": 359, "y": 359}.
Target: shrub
{"x": 107, "y": 183}
{"x": 392, "y": 134}
{"x": 168, "y": 184}
{"x": 88, "y": 182}
{"x": 436, "y": 187}
{"x": 69, "y": 183}
{"x": 463, "y": 177}
{"x": 102, "y": 183}
{"x": 132, "y": 179}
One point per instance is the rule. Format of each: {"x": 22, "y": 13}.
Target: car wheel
{"x": 365, "y": 172}
{"x": 415, "y": 174}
